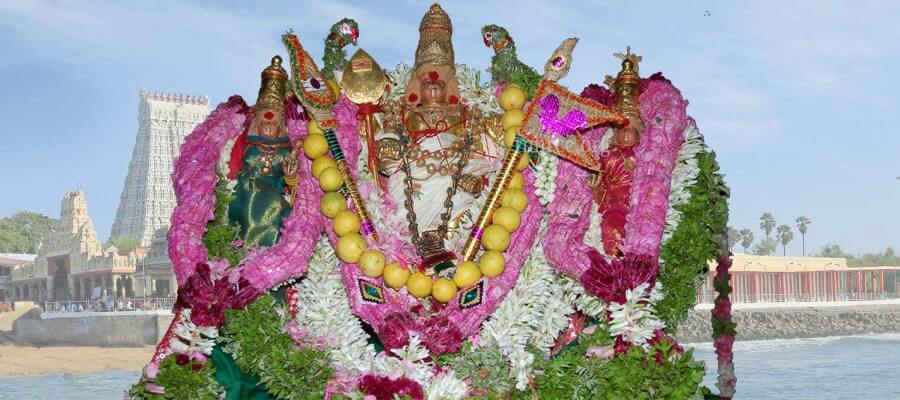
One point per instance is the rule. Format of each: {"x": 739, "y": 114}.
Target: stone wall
{"x": 786, "y": 323}
{"x": 127, "y": 329}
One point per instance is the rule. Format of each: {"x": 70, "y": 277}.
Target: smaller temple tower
{"x": 148, "y": 199}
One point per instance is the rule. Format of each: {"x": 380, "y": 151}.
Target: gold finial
{"x": 626, "y": 86}
{"x": 363, "y": 81}
{"x": 435, "y": 44}
{"x": 272, "y": 91}
{"x": 629, "y": 61}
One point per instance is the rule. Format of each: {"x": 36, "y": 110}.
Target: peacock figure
{"x": 505, "y": 64}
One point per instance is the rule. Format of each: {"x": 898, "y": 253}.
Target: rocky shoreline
{"x": 789, "y": 323}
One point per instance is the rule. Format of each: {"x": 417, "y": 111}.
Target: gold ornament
{"x": 626, "y": 87}
{"x": 272, "y": 91}
{"x": 435, "y": 45}
{"x": 434, "y": 55}
{"x": 363, "y": 81}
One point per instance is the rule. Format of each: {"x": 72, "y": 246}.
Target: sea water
{"x": 832, "y": 368}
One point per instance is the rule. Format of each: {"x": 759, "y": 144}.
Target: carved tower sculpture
{"x": 148, "y": 199}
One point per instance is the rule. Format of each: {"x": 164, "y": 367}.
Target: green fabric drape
{"x": 259, "y": 208}
{"x": 259, "y": 205}
{"x": 238, "y": 386}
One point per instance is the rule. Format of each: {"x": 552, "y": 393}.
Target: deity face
{"x": 268, "y": 128}
{"x": 630, "y": 135}
{"x": 434, "y": 91}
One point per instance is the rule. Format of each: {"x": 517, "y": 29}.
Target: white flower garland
{"x": 191, "y": 338}
{"x": 533, "y": 312}
{"x": 545, "y": 171}
{"x": 684, "y": 175}
{"x": 635, "y": 320}
{"x": 325, "y": 312}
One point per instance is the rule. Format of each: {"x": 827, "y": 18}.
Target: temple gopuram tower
{"x": 147, "y": 200}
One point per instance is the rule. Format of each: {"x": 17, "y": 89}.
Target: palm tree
{"x": 767, "y": 223}
{"x": 733, "y": 237}
{"x": 746, "y": 239}
{"x": 802, "y": 226}
{"x": 785, "y": 235}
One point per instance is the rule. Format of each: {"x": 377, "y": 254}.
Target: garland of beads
{"x": 352, "y": 246}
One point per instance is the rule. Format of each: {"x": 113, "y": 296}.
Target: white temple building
{"x": 147, "y": 199}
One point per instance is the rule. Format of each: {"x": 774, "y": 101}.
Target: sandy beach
{"x": 15, "y": 360}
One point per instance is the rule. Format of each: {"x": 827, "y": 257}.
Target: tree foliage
{"x": 802, "y": 226}
{"x": 887, "y": 258}
{"x": 126, "y": 243}
{"x": 765, "y": 247}
{"x": 734, "y": 236}
{"x": 22, "y": 232}
{"x": 785, "y": 235}
{"x": 767, "y": 223}
{"x": 746, "y": 239}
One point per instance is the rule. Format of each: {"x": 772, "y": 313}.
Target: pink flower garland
{"x": 724, "y": 341}
{"x": 569, "y": 218}
{"x": 195, "y": 179}
{"x": 664, "y": 113}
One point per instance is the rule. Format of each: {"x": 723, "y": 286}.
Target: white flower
{"x": 521, "y": 368}
{"x": 408, "y": 361}
{"x": 446, "y": 386}
{"x": 684, "y": 175}
{"x": 190, "y": 338}
{"x": 634, "y": 320}
{"x": 326, "y": 312}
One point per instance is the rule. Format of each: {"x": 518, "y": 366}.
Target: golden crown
{"x": 626, "y": 85}
{"x": 435, "y": 45}
{"x": 272, "y": 90}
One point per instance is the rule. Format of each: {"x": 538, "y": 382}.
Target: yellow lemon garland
{"x": 353, "y": 248}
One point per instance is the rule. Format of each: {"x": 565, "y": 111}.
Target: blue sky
{"x": 799, "y": 99}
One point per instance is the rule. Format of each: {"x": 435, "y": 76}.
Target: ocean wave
{"x": 762, "y": 346}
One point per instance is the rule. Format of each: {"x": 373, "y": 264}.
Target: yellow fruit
{"x": 509, "y": 137}
{"x": 512, "y": 98}
{"x": 315, "y": 146}
{"x": 330, "y": 179}
{"x": 517, "y": 181}
{"x": 419, "y": 285}
{"x": 332, "y": 203}
{"x": 345, "y": 222}
{"x": 506, "y": 217}
{"x": 320, "y": 164}
{"x": 467, "y": 273}
{"x": 516, "y": 199}
{"x": 395, "y": 276}
{"x": 523, "y": 163}
{"x": 492, "y": 263}
{"x": 512, "y": 118}
{"x": 443, "y": 290}
{"x": 351, "y": 247}
{"x": 496, "y": 237}
{"x": 371, "y": 262}
{"x": 312, "y": 128}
